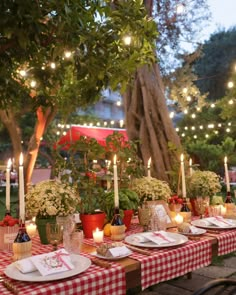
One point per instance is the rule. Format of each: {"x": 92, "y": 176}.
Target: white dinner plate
{"x": 200, "y": 231}
{"x": 179, "y": 239}
{"x": 111, "y": 258}
{"x": 81, "y": 264}
{"x": 200, "y": 223}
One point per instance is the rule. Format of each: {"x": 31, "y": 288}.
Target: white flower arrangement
{"x": 51, "y": 198}
{"x": 151, "y": 189}
{"x": 203, "y": 184}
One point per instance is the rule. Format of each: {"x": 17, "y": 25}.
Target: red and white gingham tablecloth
{"x": 94, "y": 281}
{"x": 226, "y": 241}
{"x": 166, "y": 264}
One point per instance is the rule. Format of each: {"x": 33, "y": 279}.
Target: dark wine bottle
{"x": 117, "y": 220}
{"x": 185, "y": 207}
{"x": 22, "y": 235}
{"x": 228, "y": 198}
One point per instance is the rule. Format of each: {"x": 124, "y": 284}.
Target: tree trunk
{"x": 147, "y": 120}
{"x": 44, "y": 117}
{"x": 9, "y": 121}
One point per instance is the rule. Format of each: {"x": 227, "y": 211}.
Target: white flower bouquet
{"x": 151, "y": 189}
{"x": 51, "y": 198}
{"x": 203, "y": 184}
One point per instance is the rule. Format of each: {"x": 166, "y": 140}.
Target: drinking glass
{"x": 54, "y": 234}
{"x": 72, "y": 241}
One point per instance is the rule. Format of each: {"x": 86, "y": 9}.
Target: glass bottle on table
{"x": 228, "y": 199}
{"x": 117, "y": 226}
{"x": 185, "y": 211}
{"x": 117, "y": 220}
{"x": 229, "y": 205}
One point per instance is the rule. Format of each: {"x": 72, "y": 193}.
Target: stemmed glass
{"x": 54, "y": 234}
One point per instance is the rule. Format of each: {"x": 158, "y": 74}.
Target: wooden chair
{"x": 217, "y": 287}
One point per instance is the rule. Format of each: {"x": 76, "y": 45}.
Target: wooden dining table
{"x": 136, "y": 270}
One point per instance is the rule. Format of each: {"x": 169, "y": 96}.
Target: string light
{"x": 185, "y": 111}
{"x": 33, "y": 83}
{"x": 228, "y": 130}
{"x": 188, "y": 98}
{"x": 193, "y": 116}
{"x": 118, "y": 103}
{"x": 213, "y": 105}
{"x": 22, "y": 73}
{"x": 180, "y": 8}
{"x": 127, "y": 40}
{"x": 230, "y": 84}
{"x": 171, "y": 115}
{"x": 177, "y": 129}
{"x": 68, "y": 54}
{"x": 231, "y": 101}
{"x": 53, "y": 65}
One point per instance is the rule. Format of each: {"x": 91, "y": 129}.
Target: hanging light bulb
{"x": 231, "y": 101}
{"x": 189, "y": 98}
{"x": 183, "y": 134}
{"x": 185, "y": 111}
{"x": 53, "y": 65}
{"x": 177, "y": 129}
{"x": 68, "y": 54}
{"x": 172, "y": 114}
{"x": 127, "y": 40}
{"x": 228, "y": 130}
{"x": 33, "y": 83}
{"x": 185, "y": 90}
{"x": 195, "y": 136}
{"x": 193, "y": 128}
{"x": 180, "y": 8}
{"x": 22, "y": 73}
{"x": 230, "y": 84}
{"x": 193, "y": 116}
{"x": 213, "y": 105}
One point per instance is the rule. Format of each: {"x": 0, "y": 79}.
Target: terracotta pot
{"x": 128, "y": 214}
{"x": 92, "y": 221}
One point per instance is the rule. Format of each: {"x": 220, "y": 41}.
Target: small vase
{"x": 128, "y": 214}
{"x": 41, "y": 225}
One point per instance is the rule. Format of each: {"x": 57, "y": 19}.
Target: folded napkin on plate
{"x": 140, "y": 239}
{"x": 193, "y": 229}
{"x": 53, "y": 262}
{"x": 25, "y": 265}
{"x": 219, "y": 221}
{"x": 119, "y": 251}
{"x": 160, "y": 237}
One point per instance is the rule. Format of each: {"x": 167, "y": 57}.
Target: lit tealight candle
{"x": 98, "y": 235}
{"x": 31, "y": 229}
{"x": 222, "y": 210}
{"x": 179, "y": 219}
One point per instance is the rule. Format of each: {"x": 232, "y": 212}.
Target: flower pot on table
{"x": 41, "y": 226}
{"x": 92, "y": 221}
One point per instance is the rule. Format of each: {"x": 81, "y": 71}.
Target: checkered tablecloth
{"x": 226, "y": 241}
{"x": 94, "y": 281}
{"x": 167, "y": 264}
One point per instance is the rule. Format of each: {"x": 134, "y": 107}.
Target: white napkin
{"x": 53, "y": 262}
{"x": 140, "y": 239}
{"x": 205, "y": 222}
{"x": 160, "y": 237}
{"x": 25, "y": 265}
{"x": 194, "y": 230}
{"x": 119, "y": 251}
{"x": 219, "y": 221}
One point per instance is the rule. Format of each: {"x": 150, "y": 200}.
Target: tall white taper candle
{"x": 190, "y": 167}
{"x": 183, "y": 176}
{"x": 8, "y": 184}
{"x": 116, "y": 193}
{"x": 21, "y": 189}
{"x": 227, "y": 175}
{"x": 149, "y": 167}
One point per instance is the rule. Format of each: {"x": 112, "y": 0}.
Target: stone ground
{"x": 222, "y": 267}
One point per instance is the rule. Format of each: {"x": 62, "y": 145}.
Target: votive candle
{"x": 98, "y": 235}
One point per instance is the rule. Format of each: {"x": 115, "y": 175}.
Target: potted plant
{"x": 128, "y": 203}
{"x": 202, "y": 184}
{"x": 85, "y": 167}
{"x": 48, "y": 199}
{"x": 151, "y": 189}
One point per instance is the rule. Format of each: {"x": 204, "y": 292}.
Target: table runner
{"x": 226, "y": 241}
{"x": 95, "y": 280}
{"x": 168, "y": 263}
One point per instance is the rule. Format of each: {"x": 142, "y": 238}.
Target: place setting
{"x": 215, "y": 223}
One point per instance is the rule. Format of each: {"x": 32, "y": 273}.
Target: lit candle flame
{"x": 225, "y": 160}
{"x": 9, "y": 164}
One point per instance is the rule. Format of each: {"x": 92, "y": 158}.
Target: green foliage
{"x": 34, "y": 34}
{"x": 76, "y": 165}
{"x": 214, "y": 66}
{"x": 128, "y": 199}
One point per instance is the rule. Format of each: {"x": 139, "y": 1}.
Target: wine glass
{"x": 54, "y": 234}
